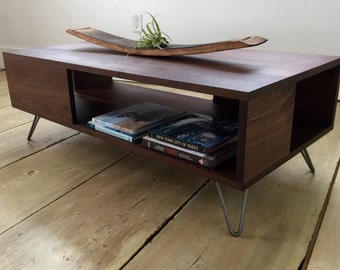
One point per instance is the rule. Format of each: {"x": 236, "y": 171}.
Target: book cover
{"x": 206, "y": 160}
{"x": 138, "y": 117}
{"x": 197, "y": 132}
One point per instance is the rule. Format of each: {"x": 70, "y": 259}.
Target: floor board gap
{"x": 163, "y": 225}
{"x": 305, "y": 261}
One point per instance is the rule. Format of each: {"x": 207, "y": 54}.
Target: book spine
{"x": 91, "y": 125}
{"x": 95, "y": 121}
{"x": 179, "y": 143}
{"x": 197, "y": 159}
{"x": 115, "y": 133}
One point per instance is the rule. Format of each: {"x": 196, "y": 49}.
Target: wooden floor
{"x": 70, "y": 201}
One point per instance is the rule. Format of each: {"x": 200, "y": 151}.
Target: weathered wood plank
{"x": 34, "y": 182}
{"x": 325, "y": 254}
{"x": 12, "y": 117}
{"x": 16, "y": 146}
{"x": 277, "y": 234}
{"x": 102, "y": 223}
{"x": 283, "y": 210}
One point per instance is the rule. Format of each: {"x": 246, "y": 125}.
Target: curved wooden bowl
{"x": 129, "y": 46}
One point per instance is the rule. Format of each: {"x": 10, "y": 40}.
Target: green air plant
{"x": 152, "y": 37}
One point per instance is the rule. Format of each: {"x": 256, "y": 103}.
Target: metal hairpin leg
{"x": 226, "y": 213}
{"x": 33, "y": 126}
{"x": 308, "y": 160}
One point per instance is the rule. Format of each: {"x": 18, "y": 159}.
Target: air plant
{"x": 152, "y": 37}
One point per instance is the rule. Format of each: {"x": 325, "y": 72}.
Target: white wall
{"x": 291, "y": 25}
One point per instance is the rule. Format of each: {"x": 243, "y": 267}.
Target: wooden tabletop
{"x": 233, "y": 74}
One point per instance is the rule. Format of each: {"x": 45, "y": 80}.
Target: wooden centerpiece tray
{"x": 130, "y": 46}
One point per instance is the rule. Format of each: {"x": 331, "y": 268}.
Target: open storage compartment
{"x": 315, "y": 105}
{"x": 95, "y": 94}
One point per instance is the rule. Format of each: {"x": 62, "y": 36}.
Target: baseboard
{"x": 2, "y": 65}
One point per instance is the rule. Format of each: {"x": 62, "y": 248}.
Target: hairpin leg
{"x": 33, "y": 126}
{"x": 308, "y": 160}
{"x": 226, "y": 213}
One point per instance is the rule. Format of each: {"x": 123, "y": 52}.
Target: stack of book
{"x": 198, "y": 138}
{"x": 131, "y": 123}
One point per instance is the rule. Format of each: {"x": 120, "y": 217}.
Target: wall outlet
{"x": 137, "y": 23}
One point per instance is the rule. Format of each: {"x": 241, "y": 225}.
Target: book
{"x": 137, "y": 118}
{"x": 206, "y": 160}
{"x": 116, "y": 133}
{"x": 197, "y": 132}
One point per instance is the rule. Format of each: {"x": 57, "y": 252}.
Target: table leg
{"x": 309, "y": 162}
{"x": 33, "y": 126}
{"x": 226, "y": 213}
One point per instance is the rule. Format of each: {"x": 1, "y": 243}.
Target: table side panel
{"x": 39, "y": 87}
{"x": 265, "y": 131}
